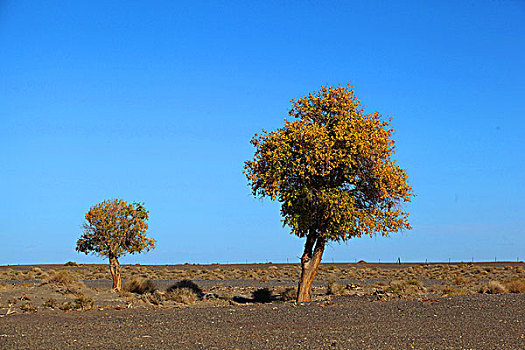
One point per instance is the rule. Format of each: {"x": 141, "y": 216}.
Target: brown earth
{"x": 356, "y": 306}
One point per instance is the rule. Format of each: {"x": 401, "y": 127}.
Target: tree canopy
{"x": 114, "y": 228}
{"x": 331, "y": 169}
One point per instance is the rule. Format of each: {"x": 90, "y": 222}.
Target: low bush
{"x": 182, "y": 295}
{"x": 412, "y": 287}
{"x": 453, "y": 291}
{"x": 289, "y": 294}
{"x": 63, "y": 277}
{"x": 495, "y": 287}
{"x": 50, "y": 303}
{"x": 516, "y": 286}
{"x": 155, "y": 298}
{"x": 459, "y": 280}
{"x": 28, "y": 307}
{"x": 67, "y": 306}
{"x": 186, "y": 284}
{"x": 226, "y": 296}
{"x": 83, "y": 303}
{"x": 139, "y": 285}
{"x": 262, "y": 295}
{"x": 334, "y": 288}
{"x": 37, "y": 270}
{"x": 185, "y": 292}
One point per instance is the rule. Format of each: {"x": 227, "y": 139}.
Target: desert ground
{"x": 355, "y": 306}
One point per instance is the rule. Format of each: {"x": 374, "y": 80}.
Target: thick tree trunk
{"x": 309, "y": 264}
{"x": 114, "y": 268}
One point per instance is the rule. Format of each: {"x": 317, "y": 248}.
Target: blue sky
{"x": 157, "y": 101}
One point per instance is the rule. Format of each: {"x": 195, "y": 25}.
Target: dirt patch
{"x": 347, "y": 322}
{"x": 356, "y": 306}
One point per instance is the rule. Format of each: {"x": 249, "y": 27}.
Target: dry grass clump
{"x": 28, "y": 307}
{"x": 411, "y": 287}
{"x": 37, "y": 270}
{"x": 186, "y": 284}
{"x": 155, "y": 298}
{"x": 5, "y": 286}
{"x": 494, "y": 287}
{"x": 185, "y": 292}
{"x": 182, "y": 295}
{"x": 289, "y": 294}
{"x": 50, "y": 303}
{"x": 64, "y": 278}
{"x": 453, "y": 291}
{"x": 226, "y": 296}
{"x": 83, "y": 303}
{"x": 459, "y": 280}
{"x": 516, "y": 286}
{"x": 334, "y": 288}
{"x": 139, "y": 285}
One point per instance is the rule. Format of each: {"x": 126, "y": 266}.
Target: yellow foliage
{"x": 330, "y": 167}
{"x": 114, "y": 228}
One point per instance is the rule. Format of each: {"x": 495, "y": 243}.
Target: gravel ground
{"x": 461, "y": 322}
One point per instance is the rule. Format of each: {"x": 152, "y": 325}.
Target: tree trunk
{"x": 114, "y": 268}
{"x": 309, "y": 264}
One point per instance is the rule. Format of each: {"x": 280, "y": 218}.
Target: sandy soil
{"x": 365, "y": 307}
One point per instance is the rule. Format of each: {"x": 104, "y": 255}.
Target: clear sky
{"x": 157, "y": 101}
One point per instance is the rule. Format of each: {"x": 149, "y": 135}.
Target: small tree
{"x": 112, "y": 229}
{"x": 332, "y": 172}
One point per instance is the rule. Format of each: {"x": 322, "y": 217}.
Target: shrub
{"x": 28, "y": 307}
{"x": 262, "y": 295}
{"x": 406, "y": 287}
{"x": 37, "y": 270}
{"x": 185, "y": 292}
{"x": 186, "y": 284}
{"x": 452, "y": 291}
{"x": 63, "y": 277}
{"x": 183, "y": 295}
{"x": 334, "y": 288}
{"x": 28, "y": 275}
{"x": 289, "y": 294}
{"x": 460, "y": 280}
{"x": 66, "y": 306}
{"x": 71, "y": 263}
{"x": 139, "y": 285}
{"x": 50, "y": 303}
{"x": 4, "y": 286}
{"x": 154, "y": 298}
{"x": 83, "y": 303}
{"x": 494, "y": 287}
{"x": 226, "y": 297}
{"x": 516, "y": 286}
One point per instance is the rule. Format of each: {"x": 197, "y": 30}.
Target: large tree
{"x": 331, "y": 169}
{"x": 114, "y": 228}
